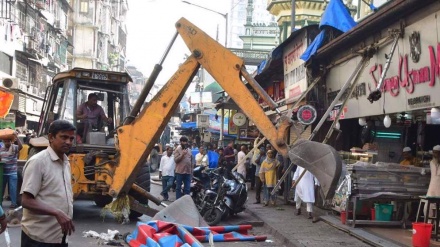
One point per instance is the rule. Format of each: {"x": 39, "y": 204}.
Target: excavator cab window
{"x": 60, "y": 104}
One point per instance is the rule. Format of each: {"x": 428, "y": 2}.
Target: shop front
{"x": 284, "y": 78}
{"x": 409, "y": 102}
{"x": 406, "y": 115}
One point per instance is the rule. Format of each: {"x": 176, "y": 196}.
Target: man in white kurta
{"x": 241, "y": 160}
{"x": 305, "y": 190}
{"x": 434, "y": 184}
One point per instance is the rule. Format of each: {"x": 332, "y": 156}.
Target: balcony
{"x": 251, "y": 57}
{"x": 276, "y": 7}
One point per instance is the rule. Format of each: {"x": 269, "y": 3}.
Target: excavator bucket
{"x": 322, "y": 160}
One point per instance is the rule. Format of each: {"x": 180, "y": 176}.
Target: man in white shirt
{"x": 202, "y": 157}
{"x": 241, "y": 161}
{"x": 166, "y": 172}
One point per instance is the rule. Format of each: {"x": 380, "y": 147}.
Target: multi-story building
{"x": 34, "y": 48}
{"x": 99, "y": 34}
{"x": 43, "y": 37}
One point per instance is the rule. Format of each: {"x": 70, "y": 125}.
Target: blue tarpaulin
{"x": 336, "y": 15}
{"x": 188, "y": 125}
{"x": 314, "y": 46}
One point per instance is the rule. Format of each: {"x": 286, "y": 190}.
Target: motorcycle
{"x": 208, "y": 190}
{"x": 236, "y": 195}
{"x": 218, "y": 193}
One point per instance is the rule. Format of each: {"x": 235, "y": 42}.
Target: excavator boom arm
{"x": 136, "y": 138}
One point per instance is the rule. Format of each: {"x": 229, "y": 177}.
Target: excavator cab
{"x": 71, "y": 89}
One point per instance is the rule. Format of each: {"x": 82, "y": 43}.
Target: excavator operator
{"x": 91, "y": 115}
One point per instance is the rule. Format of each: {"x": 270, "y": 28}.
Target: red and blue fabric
{"x": 166, "y": 234}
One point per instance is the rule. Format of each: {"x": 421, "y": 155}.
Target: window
{"x": 34, "y": 105}
{"x": 5, "y": 63}
{"x": 84, "y": 6}
{"x": 70, "y": 107}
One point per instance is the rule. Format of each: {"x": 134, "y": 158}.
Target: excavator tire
{"x": 142, "y": 180}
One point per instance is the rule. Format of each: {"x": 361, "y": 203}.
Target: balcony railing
{"x": 251, "y": 57}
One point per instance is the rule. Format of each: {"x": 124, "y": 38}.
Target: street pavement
{"x": 285, "y": 229}
{"x": 292, "y": 230}
{"x": 278, "y": 223}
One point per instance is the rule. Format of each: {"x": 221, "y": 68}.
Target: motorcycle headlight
{"x": 240, "y": 180}
{"x": 231, "y": 183}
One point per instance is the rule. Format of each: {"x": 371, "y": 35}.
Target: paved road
{"x": 281, "y": 227}
{"x": 87, "y": 217}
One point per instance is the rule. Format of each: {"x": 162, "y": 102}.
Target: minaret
{"x": 249, "y": 26}
{"x": 258, "y": 36}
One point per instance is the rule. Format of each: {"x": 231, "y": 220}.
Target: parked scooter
{"x": 217, "y": 191}
{"x": 236, "y": 196}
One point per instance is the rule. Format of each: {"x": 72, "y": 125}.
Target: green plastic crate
{"x": 383, "y": 211}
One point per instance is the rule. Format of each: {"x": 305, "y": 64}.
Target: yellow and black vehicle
{"x": 108, "y": 161}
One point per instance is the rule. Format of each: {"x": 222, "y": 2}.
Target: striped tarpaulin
{"x": 166, "y": 234}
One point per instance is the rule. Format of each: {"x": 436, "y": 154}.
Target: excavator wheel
{"x": 142, "y": 180}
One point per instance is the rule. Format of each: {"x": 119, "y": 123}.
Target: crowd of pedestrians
{"x": 262, "y": 167}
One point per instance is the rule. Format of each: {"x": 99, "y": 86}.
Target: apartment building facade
{"x": 43, "y": 37}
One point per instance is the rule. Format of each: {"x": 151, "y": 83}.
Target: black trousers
{"x": 252, "y": 175}
{"x": 26, "y": 241}
{"x": 258, "y": 188}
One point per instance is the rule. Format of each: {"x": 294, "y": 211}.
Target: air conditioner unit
{"x": 11, "y": 83}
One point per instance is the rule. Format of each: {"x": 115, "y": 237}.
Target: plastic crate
{"x": 383, "y": 211}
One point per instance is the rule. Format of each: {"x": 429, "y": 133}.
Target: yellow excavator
{"x": 109, "y": 161}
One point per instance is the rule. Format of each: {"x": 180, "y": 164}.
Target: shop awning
{"x": 187, "y": 126}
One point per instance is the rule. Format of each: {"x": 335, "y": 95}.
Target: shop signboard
{"x": 335, "y": 112}
{"x": 295, "y": 78}
{"x": 411, "y": 82}
{"x": 8, "y": 121}
{"x": 215, "y": 121}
